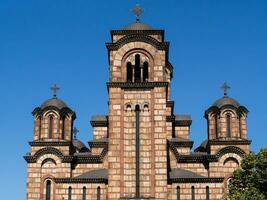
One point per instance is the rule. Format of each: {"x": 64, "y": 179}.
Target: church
{"x": 141, "y": 149}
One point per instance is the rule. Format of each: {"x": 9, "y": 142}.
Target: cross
{"x": 75, "y": 131}
{"x": 137, "y": 10}
{"x": 54, "y": 89}
{"x": 225, "y": 88}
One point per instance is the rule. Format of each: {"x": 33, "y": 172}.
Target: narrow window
{"x": 129, "y": 72}
{"x": 84, "y": 193}
{"x": 137, "y": 70}
{"x": 50, "y": 126}
{"x": 193, "y": 192}
{"x": 63, "y": 127}
{"x": 216, "y": 126}
{"x": 228, "y": 121}
{"x": 40, "y": 128}
{"x": 207, "y": 193}
{"x": 240, "y": 126}
{"x": 48, "y": 190}
{"x": 178, "y": 192}
{"x": 69, "y": 193}
{"x": 98, "y": 193}
{"x": 145, "y": 72}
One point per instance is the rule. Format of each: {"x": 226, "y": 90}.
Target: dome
{"x": 79, "y": 146}
{"x": 226, "y": 101}
{"x": 138, "y": 26}
{"x": 54, "y": 102}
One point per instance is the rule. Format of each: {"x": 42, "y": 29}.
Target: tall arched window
{"x": 228, "y": 123}
{"x": 145, "y": 71}
{"x": 40, "y": 127}
{"x": 178, "y": 192}
{"x": 137, "y": 69}
{"x": 129, "y": 69}
{"x": 48, "y": 190}
{"x": 216, "y": 126}
{"x": 50, "y": 127}
{"x": 240, "y": 126}
{"x": 193, "y": 192}
{"x": 69, "y": 193}
{"x": 207, "y": 193}
{"x": 98, "y": 193}
{"x": 84, "y": 193}
{"x": 63, "y": 127}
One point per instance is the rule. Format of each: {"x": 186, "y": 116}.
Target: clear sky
{"x": 63, "y": 42}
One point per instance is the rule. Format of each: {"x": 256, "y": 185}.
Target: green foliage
{"x": 250, "y": 182}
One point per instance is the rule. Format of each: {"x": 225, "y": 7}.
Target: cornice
{"x": 49, "y": 143}
{"x": 81, "y": 180}
{"x": 229, "y": 142}
{"x": 136, "y": 85}
{"x": 137, "y": 37}
{"x": 197, "y": 180}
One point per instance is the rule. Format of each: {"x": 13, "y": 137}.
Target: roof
{"x": 226, "y": 100}
{"x": 182, "y": 173}
{"x": 94, "y": 174}
{"x": 137, "y": 26}
{"x": 54, "y": 102}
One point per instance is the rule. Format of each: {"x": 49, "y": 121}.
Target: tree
{"x": 250, "y": 181}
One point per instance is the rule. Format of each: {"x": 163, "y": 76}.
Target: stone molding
{"x": 197, "y": 180}
{"x": 49, "y": 143}
{"x": 136, "y": 85}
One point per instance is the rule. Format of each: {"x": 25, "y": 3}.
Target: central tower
{"x": 139, "y": 94}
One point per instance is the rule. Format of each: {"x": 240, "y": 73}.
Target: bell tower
{"x": 139, "y": 89}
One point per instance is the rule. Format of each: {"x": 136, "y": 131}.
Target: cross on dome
{"x": 225, "y": 88}
{"x": 75, "y": 131}
{"x": 55, "y": 89}
{"x": 137, "y": 10}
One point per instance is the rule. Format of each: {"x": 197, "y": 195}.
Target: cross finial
{"x": 137, "y": 10}
{"x": 225, "y": 88}
{"x": 75, "y": 131}
{"x": 54, "y": 89}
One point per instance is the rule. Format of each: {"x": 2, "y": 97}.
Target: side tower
{"x": 52, "y": 139}
{"x": 139, "y": 91}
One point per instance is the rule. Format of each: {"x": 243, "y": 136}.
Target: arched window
{"x": 69, "y": 193}
{"x": 193, "y": 192}
{"x": 84, "y": 193}
{"x": 129, "y": 72}
{"x": 48, "y": 190}
{"x": 63, "y": 127}
{"x": 240, "y": 126}
{"x": 228, "y": 124}
{"x": 207, "y": 193}
{"x": 50, "y": 127}
{"x": 178, "y": 192}
{"x": 145, "y": 72}
{"x": 98, "y": 193}
{"x": 137, "y": 69}
{"x": 216, "y": 126}
{"x": 40, "y": 127}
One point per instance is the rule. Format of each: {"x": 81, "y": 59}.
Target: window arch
{"x": 69, "y": 193}
{"x": 178, "y": 192}
{"x": 40, "y": 127}
{"x": 193, "y": 192}
{"x": 98, "y": 193}
{"x": 84, "y": 193}
{"x": 50, "y": 132}
{"x": 228, "y": 124}
{"x": 48, "y": 190}
{"x": 207, "y": 193}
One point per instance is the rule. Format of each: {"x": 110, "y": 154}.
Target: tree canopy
{"x": 250, "y": 181}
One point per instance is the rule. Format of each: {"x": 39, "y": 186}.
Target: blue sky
{"x": 63, "y": 42}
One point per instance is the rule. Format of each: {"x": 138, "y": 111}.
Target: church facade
{"x": 141, "y": 149}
